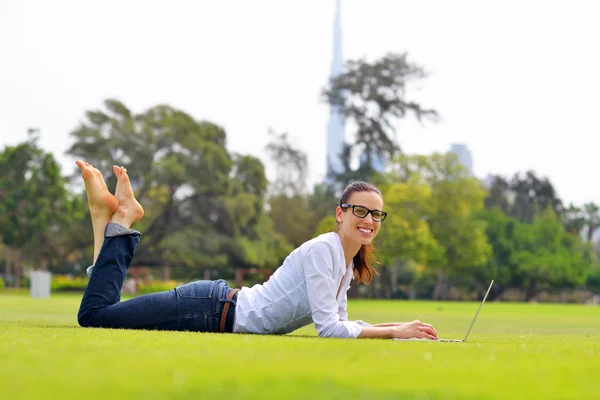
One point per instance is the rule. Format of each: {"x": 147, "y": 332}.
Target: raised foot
{"x": 101, "y": 202}
{"x": 129, "y": 210}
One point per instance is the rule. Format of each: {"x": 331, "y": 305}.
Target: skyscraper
{"x": 336, "y": 136}
{"x": 464, "y": 156}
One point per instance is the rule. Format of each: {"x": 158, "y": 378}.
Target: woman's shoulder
{"x": 324, "y": 242}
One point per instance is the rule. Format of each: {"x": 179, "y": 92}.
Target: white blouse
{"x": 303, "y": 290}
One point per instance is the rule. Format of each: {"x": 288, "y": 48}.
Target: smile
{"x": 365, "y": 231}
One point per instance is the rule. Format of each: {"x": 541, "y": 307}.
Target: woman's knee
{"x": 85, "y": 318}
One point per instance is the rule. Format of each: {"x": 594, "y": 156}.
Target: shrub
{"x": 66, "y": 283}
{"x": 593, "y": 279}
{"x": 155, "y": 286}
{"x": 1, "y": 284}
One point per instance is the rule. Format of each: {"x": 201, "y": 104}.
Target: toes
{"x": 120, "y": 172}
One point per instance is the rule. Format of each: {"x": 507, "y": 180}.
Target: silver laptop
{"x": 470, "y": 327}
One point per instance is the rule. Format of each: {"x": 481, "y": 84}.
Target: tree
{"x": 573, "y": 219}
{"x": 291, "y": 166}
{"x": 533, "y": 195}
{"x": 199, "y": 199}
{"x": 524, "y": 196}
{"x": 499, "y": 195}
{"x": 548, "y": 256}
{"x": 407, "y": 235}
{"x": 592, "y": 219}
{"x": 406, "y": 241}
{"x": 456, "y": 199}
{"x": 373, "y": 97}
{"x": 504, "y": 234}
{"x": 32, "y": 202}
{"x": 322, "y": 203}
{"x": 288, "y": 202}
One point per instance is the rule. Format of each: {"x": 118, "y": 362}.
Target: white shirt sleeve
{"x": 343, "y": 314}
{"x": 321, "y": 289}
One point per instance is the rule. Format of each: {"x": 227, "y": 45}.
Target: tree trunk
{"x": 531, "y": 292}
{"x": 207, "y": 274}
{"x": 378, "y": 287}
{"x": 412, "y": 291}
{"x": 496, "y": 292}
{"x": 167, "y": 273}
{"x": 17, "y": 267}
{"x": 393, "y": 280}
{"x": 441, "y": 287}
{"x": 7, "y": 264}
{"x": 372, "y": 287}
{"x": 590, "y": 233}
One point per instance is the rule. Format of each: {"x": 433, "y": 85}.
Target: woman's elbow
{"x": 330, "y": 331}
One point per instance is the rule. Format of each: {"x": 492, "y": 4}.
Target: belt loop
{"x": 226, "y": 309}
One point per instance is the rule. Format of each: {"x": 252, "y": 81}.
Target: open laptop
{"x": 470, "y": 327}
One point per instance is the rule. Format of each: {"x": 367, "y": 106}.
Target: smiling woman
{"x": 310, "y": 286}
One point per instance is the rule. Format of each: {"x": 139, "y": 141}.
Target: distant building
{"x": 488, "y": 181}
{"x": 377, "y": 161}
{"x": 464, "y": 156}
{"x": 336, "y": 135}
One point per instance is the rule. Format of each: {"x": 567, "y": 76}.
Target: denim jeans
{"x": 196, "y": 306}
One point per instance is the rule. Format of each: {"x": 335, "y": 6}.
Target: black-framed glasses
{"x": 362, "y": 212}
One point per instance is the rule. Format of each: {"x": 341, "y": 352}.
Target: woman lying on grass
{"x": 310, "y": 286}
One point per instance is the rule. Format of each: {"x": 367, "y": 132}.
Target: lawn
{"x": 515, "y": 351}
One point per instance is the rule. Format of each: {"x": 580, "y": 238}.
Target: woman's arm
{"x": 387, "y": 324}
{"x": 321, "y": 289}
{"x": 400, "y": 330}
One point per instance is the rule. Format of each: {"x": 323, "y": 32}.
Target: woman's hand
{"x": 414, "y": 329}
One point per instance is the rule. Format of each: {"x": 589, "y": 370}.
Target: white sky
{"x": 517, "y": 81}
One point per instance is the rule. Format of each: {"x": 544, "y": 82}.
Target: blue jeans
{"x": 196, "y": 306}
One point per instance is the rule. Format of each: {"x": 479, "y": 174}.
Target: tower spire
{"x": 335, "y": 127}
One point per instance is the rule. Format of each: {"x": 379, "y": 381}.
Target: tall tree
{"x": 32, "y": 201}
{"x": 525, "y": 196}
{"x": 504, "y": 234}
{"x": 548, "y": 256}
{"x": 499, "y": 195}
{"x": 322, "y": 203}
{"x": 288, "y": 200}
{"x": 532, "y": 195}
{"x": 592, "y": 219}
{"x": 373, "y": 97}
{"x": 199, "y": 199}
{"x": 574, "y": 219}
{"x": 406, "y": 241}
{"x": 456, "y": 198}
{"x": 291, "y": 165}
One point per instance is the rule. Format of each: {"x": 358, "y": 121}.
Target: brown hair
{"x": 366, "y": 256}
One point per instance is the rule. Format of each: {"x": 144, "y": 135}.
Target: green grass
{"x": 516, "y": 351}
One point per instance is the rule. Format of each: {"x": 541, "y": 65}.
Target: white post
{"x": 40, "y": 284}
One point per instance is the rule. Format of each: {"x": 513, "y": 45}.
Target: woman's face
{"x": 360, "y": 230}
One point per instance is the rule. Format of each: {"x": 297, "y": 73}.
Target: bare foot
{"x": 129, "y": 210}
{"x": 101, "y": 202}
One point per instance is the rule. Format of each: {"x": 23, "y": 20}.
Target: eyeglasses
{"x": 362, "y": 212}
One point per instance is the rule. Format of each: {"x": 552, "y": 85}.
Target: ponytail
{"x": 363, "y": 263}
